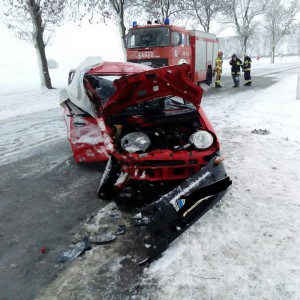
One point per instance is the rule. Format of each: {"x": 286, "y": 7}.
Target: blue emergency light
{"x": 167, "y": 21}
{"x": 134, "y": 24}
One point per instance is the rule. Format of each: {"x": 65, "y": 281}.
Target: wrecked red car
{"x": 150, "y": 126}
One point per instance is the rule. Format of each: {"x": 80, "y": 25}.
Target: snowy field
{"x": 20, "y": 92}
{"x": 247, "y": 247}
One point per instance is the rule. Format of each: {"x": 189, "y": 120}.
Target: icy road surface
{"x": 245, "y": 249}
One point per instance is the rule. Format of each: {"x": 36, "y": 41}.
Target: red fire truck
{"x": 163, "y": 45}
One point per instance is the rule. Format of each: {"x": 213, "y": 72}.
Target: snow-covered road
{"x": 20, "y": 136}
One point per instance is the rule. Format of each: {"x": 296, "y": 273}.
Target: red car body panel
{"x": 93, "y": 128}
{"x": 90, "y": 143}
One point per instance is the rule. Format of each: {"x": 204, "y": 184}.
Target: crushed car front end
{"x": 159, "y": 130}
{"x": 162, "y": 135}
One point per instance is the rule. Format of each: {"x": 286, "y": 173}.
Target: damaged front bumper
{"x": 163, "y": 221}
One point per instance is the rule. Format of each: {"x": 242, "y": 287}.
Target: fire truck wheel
{"x": 209, "y": 76}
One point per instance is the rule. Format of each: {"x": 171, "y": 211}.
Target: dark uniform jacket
{"x": 247, "y": 63}
{"x": 236, "y": 66}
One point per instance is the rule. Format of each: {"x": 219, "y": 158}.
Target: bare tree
{"x": 120, "y": 7}
{"x": 116, "y": 10}
{"x": 257, "y": 45}
{"x": 164, "y": 9}
{"x": 229, "y": 45}
{"x": 204, "y": 11}
{"x": 280, "y": 19}
{"x": 243, "y": 14}
{"x": 35, "y": 21}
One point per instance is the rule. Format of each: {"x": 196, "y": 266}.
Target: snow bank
{"x": 22, "y": 103}
{"x": 247, "y": 248}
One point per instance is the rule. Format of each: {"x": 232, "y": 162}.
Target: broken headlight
{"x": 201, "y": 139}
{"x": 135, "y": 141}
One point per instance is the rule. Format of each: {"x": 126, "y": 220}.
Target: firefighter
{"x": 218, "y": 69}
{"x": 247, "y": 70}
{"x": 236, "y": 65}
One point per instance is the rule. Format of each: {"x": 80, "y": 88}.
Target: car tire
{"x": 108, "y": 179}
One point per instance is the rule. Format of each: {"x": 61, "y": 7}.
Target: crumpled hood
{"x": 152, "y": 84}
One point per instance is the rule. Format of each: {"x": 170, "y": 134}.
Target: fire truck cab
{"x": 164, "y": 45}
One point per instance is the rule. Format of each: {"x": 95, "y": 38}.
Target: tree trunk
{"x": 42, "y": 64}
{"x": 118, "y": 6}
{"x": 122, "y": 29}
{"x": 207, "y": 26}
{"x": 246, "y": 37}
{"x": 272, "y": 55}
{"x": 38, "y": 37}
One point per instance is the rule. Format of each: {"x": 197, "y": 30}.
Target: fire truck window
{"x": 176, "y": 38}
{"x": 132, "y": 41}
{"x": 149, "y": 37}
{"x": 187, "y": 40}
{"x": 147, "y": 40}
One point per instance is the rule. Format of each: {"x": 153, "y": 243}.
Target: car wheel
{"x": 109, "y": 177}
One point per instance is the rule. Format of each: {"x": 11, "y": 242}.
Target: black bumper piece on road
{"x": 163, "y": 221}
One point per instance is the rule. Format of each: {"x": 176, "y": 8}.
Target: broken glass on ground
{"x": 75, "y": 250}
{"x": 102, "y": 239}
{"x": 120, "y": 229}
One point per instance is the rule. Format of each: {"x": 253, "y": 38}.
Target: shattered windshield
{"x": 149, "y": 37}
{"x": 103, "y": 85}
